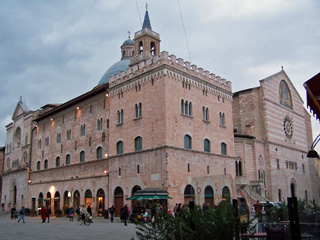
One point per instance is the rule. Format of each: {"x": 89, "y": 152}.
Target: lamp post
{"x": 313, "y": 153}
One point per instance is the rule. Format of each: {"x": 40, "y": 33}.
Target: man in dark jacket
{"x": 125, "y": 214}
{"x": 112, "y": 210}
{"x": 22, "y": 213}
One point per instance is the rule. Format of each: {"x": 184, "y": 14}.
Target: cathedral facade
{"x": 157, "y": 121}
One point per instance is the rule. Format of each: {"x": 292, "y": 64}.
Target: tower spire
{"x": 146, "y": 22}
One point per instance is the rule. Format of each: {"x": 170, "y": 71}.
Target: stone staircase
{"x": 250, "y": 195}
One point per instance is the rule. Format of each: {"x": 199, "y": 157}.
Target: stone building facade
{"x": 272, "y": 137}
{"x": 153, "y": 121}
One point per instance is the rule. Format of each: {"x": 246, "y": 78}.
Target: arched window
{"x": 187, "y": 141}
{"x": 226, "y": 193}
{"x": 58, "y": 162}
{"x": 68, "y": 159}
{"x": 204, "y": 114}
{"x": 190, "y": 109}
{"x": 207, "y": 114}
{"x": 38, "y": 165}
{"x": 152, "y": 48}
{"x": 182, "y": 106}
{"x": 138, "y": 169}
{"x": 118, "y": 116}
{"x": 99, "y": 152}
{"x": 119, "y": 171}
{"x": 138, "y": 143}
{"x": 186, "y": 108}
{"x": 46, "y": 164}
{"x": 123, "y": 53}
{"x": 119, "y": 147}
{"x": 138, "y": 110}
{"x": 222, "y": 118}
{"x": 188, "y": 167}
{"x": 238, "y": 166}
{"x": 206, "y": 144}
{"x": 121, "y": 116}
{"x": 141, "y": 47}
{"x": 223, "y": 148}
{"x": 82, "y": 156}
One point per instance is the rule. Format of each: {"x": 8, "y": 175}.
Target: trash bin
{"x": 106, "y": 214}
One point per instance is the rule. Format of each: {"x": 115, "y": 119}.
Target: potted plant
{"x": 58, "y": 212}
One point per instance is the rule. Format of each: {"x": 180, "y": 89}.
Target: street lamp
{"x": 313, "y": 153}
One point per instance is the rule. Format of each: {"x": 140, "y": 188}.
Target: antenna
{"x": 138, "y": 13}
{"x": 184, "y": 30}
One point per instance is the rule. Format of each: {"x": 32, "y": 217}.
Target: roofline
{"x": 95, "y": 91}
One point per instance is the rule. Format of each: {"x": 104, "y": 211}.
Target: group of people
{"x": 45, "y": 214}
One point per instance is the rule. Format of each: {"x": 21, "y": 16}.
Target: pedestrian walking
{"x": 43, "y": 213}
{"x": 71, "y": 213}
{"x": 112, "y": 210}
{"x": 22, "y": 213}
{"x": 48, "y": 212}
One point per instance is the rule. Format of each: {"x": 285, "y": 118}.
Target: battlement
{"x": 144, "y": 63}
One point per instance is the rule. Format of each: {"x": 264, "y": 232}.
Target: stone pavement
{"x": 62, "y": 228}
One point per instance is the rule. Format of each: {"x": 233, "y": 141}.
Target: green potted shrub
{"x": 58, "y": 212}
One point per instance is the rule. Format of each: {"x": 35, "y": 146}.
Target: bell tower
{"x": 146, "y": 42}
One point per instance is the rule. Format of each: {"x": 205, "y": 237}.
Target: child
{"x": 71, "y": 212}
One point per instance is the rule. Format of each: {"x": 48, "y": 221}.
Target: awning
{"x": 40, "y": 199}
{"x": 47, "y": 199}
{"x": 151, "y": 194}
{"x": 56, "y": 199}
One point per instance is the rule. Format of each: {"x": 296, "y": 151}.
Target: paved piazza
{"x": 62, "y": 228}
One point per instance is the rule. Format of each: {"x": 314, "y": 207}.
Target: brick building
{"x": 272, "y": 137}
{"x": 153, "y": 121}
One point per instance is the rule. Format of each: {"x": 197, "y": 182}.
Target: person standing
{"x": 22, "y": 213}
{"x": 48, "y": 212}
{"x": 89, "y": 210}
{"x": 258, "y": 208}
{"x": 71, "y": 213}
{"x": 112, "y": 210}
{"x": 43, "y": 213}
{"x": 13, "y": 212}
{"x": 125, "y": 214}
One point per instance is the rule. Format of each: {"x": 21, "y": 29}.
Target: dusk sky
{"x": 53, "y": 51}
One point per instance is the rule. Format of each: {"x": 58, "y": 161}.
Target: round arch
{"x": 76, "y": 199}
{"x": 226, "y": 193}
{"x": 56, "y": 200}
{"x": 48, "y": 200}
{"x": 118, "y": 200}
{"x": 188, "y": 194}
{"x": 209, "y": 196}
{"x": 100, "y": 202}
{"x": 134, "y": 190}
{"x": 88, "y": 198}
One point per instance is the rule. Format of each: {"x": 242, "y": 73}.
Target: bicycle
{"x": 86, "y": 220}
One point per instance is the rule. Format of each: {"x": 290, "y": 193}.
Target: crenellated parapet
{"x": 190, "y": 73}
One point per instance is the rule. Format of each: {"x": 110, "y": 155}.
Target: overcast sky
{"x": 53, "y": 51}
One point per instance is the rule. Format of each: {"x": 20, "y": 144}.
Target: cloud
{"x": 53, "y": 51}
